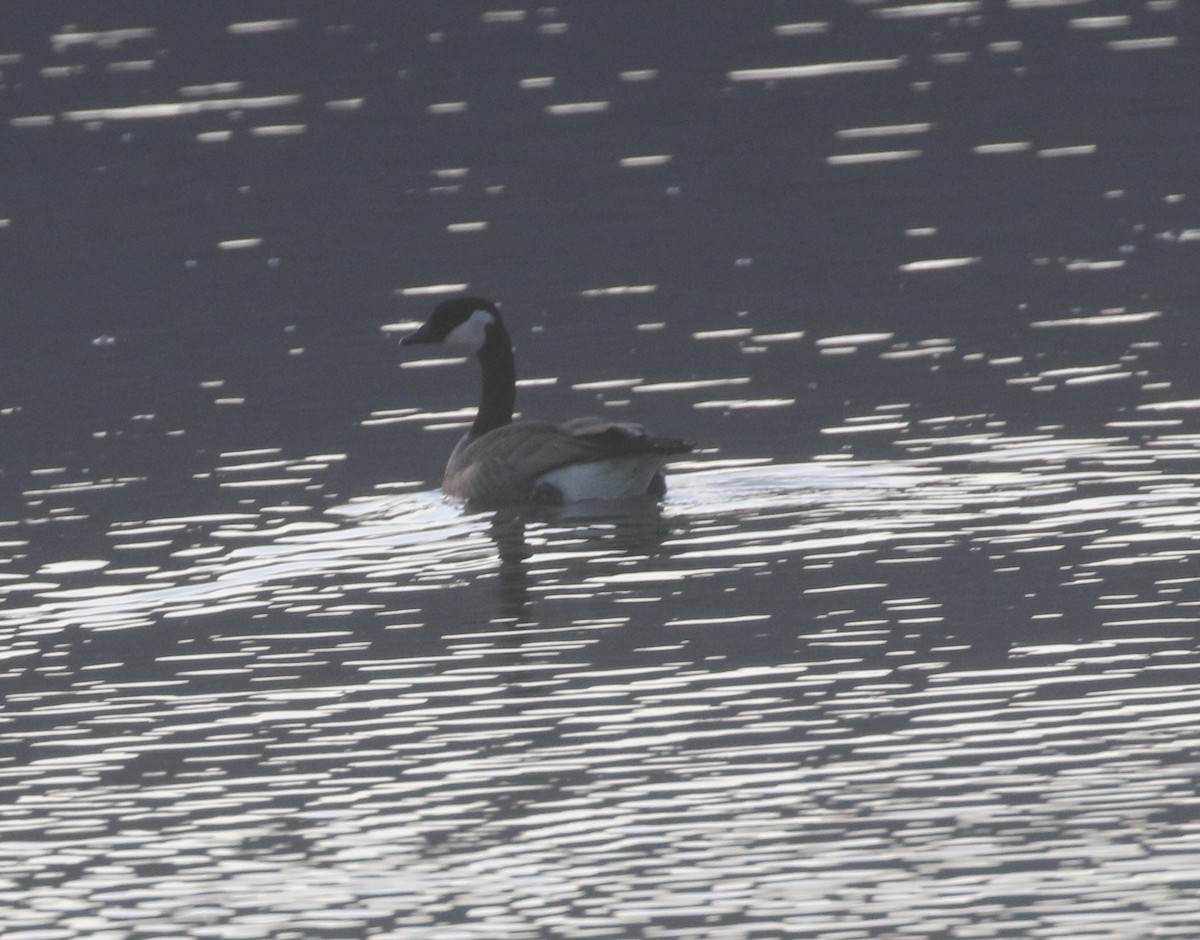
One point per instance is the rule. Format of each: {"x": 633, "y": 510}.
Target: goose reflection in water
{"x": 624, "y": 532}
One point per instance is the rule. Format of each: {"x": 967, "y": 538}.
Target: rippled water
{"x": 952, "y": 692}
{"x": 911, "y": 648}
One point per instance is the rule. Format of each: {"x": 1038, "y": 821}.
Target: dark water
{"x": 909, "y": 651}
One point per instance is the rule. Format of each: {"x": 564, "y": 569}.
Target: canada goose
{"x": 499, "y": 461}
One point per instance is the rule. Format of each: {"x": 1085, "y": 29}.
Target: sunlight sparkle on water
{"x": 909, "y": 648}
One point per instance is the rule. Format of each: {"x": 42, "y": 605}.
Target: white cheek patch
{"x": 472, "y": 332}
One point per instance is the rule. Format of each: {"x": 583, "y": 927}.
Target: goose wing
{"x": 504, "y": 464}
{"x": 622, "y": 438}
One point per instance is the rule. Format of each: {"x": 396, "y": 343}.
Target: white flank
{"x": 621, "y": 478}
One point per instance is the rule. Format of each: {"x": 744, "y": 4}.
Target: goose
{"x": 500, "y": 461}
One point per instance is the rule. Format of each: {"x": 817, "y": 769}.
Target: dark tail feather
{"x": 670, "y": 445}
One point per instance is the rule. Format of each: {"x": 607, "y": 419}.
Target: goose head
{"x": 473, "y": 325}
{"x": 465, "y": 323}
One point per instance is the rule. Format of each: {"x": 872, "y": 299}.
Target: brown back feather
{"x": 503, "y": 465}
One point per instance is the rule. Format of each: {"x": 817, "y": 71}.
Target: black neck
{"x": 499, "y": 382}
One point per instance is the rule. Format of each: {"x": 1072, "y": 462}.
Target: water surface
{"x": 909, "y": 650}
